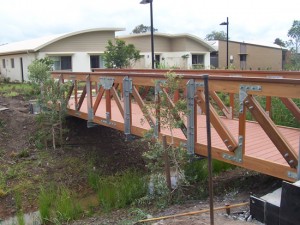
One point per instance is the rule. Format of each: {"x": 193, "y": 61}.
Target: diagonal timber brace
{"x": 271, "y": 130}
{"x": 217, "y": 123}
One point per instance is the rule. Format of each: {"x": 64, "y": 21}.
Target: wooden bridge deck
{"x": 266, "y": 147}
{"x": 258, "y": 145}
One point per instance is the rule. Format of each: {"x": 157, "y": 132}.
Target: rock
{"x": 249, "y": 219}
{"x": 3, "y": 108}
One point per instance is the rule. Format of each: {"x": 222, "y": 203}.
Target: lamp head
{"x": 146, "y": 1}
{"x": 224, "y": 23}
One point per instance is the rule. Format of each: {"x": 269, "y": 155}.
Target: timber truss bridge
{"x": 113, "y": 98}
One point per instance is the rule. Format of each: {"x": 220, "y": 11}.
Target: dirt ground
{"x": 25, "y": 169}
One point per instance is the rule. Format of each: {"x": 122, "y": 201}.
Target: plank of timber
{"x": 290, "y": 104}
{"x": 70, "y": 92}
{"x": 89, "y": 93}
{"x": 145, "y": 92}
{"x": 231, "y": 102}
{"x": 217, "y": 123}
{"x": 175, "y": 115}
{"x": 269, "y": 127}
{"x": 108, "y": 103}
{"x": 75, "y": 92}
{"x": 242, "y": 129}
{"x": 98, "y": 99}
{"x": 220, "y": 104}
{"x": 176, "y": 95}
{"x": 269, "y": 105}
{"x": 157, "y": 112}
{"x": 118, "y": 100}
{"x": 142, "y": 106}
{"x": 82, "y": 97}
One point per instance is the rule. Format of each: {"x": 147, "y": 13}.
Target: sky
{"x": 253, "y": 21}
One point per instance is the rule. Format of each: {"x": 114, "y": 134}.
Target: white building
{"x": 182, "y": 51}
{"x": 77, "y": 51}
{"x": 82, "y": 50}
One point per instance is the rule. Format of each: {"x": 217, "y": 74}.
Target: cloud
{"x": 251, "y": 20}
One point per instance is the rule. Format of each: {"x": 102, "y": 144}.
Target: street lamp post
{"x": 152, "y": 39}
{"x": 227, "y": 24}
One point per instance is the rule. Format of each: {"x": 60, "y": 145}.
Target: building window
{"x": 198, "y": 61}
{"x": 243, "y": 57}
{"x": 3, "y": 63}
{"x": 97, "y": 61}
{"x": 12, "y": 62}
{"x": 62, "y": 63}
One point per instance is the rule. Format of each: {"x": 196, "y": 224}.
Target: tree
{"x": 279, "y": 42}
{"x": 216, "y": 35}
{"x": 294, "y": 33}
{"x": 120, "y": 55}
{"x": 293, "y": 44}
{"x": 142, "y": 29}
{"x": 52, "y": 100}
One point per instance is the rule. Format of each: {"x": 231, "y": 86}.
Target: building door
{"x": 157, "y": 61}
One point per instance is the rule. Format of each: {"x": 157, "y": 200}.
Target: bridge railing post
{"x": 127, "y": 90}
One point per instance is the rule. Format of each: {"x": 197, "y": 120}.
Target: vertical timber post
{"x": 127, "y": 90}
{"x": 157, "y": 109}
{"x": 210, "y": 184}
{"x": 89, "y": 99}
{"x": 191, "y": 87}
{"x": 298, "y": 168}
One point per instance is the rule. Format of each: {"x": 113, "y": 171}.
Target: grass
{"x": 280, "y": 114}
{"x": 120, "y": 190}
{"x": 58, "y": 204}
{"x": 20, "y": 214}
{"x": 2, "y": 123}
{"x": 16, "y": 89}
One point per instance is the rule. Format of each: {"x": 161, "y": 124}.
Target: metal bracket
{"x": 107, "y": 120}
{"x": 244, "y": 92}
{"x": 292, "y": 175}
{"x": 77, "y": 113}
{"x": 91, "y": 124}
{"x": 89, "y": 103}
{"x": 157, "y": 86}
{"x": 127, "y": 90}
{"x": 106, "y": 82}
{"x": 238, "y": 153}
{"x": 72, "y": 77}
{"x": 191, "y": 92}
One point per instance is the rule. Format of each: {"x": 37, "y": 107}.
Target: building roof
{"x": 193, "y": 37}
{"x": 215, "y": 44}
{"x": 36, "y": 44}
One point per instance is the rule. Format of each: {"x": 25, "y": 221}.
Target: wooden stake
{"x": 193, "y": 213}
{"x": 167, "y": 163}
